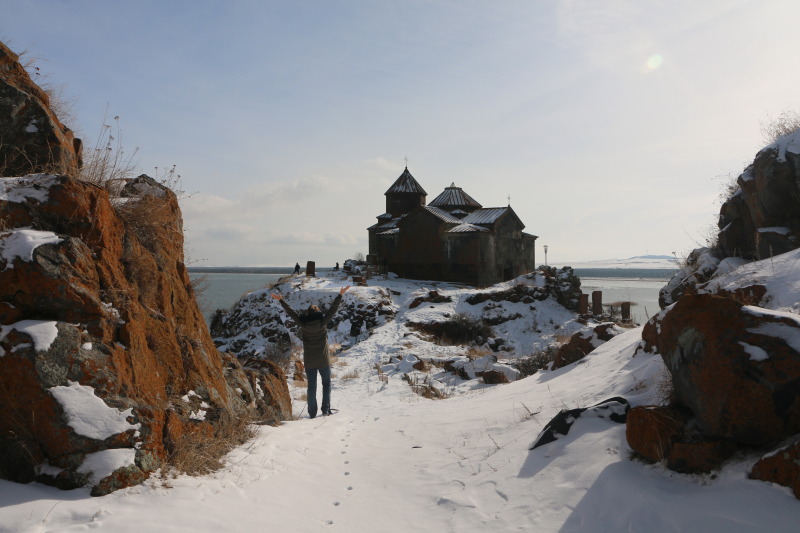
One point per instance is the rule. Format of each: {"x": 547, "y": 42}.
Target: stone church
{"x": 453, "y": 238}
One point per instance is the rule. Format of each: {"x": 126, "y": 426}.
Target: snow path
{"x": 395, "y": 462}
{"x": 392, "y": 461}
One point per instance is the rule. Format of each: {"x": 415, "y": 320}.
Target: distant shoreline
{"x": 621, "y": 273}
{"x": 243, "y": 270}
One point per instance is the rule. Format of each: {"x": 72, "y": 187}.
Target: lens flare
{"x": 653, "y": 62}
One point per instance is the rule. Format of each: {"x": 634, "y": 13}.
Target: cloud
{"x": 318, "y": 238}
{"x": 288, "y": 192}
{"x": 231, "y": 232}
{"x": 206, "y": 204}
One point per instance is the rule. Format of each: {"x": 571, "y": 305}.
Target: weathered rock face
{"x": 669, "y": 434}
{"x": 782, "y": 467}
{"x": 763, "y": 218}
{"x": 760, "y": 220}
{"x": 31, "y": 137}
{"x": 98, "y": 315}
{"x": 562, "y": 285}
{"x": 700, "y": 266}
{"x": 583, "y": 342}
{"x": 735, "y": 367}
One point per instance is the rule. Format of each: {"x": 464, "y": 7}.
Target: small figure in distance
{"x": 316, "y": 355}
{"x": 336, "y": 268}
{"x": 297, "y": 268}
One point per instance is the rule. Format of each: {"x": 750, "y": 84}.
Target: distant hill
{"x": 639, "y": 261}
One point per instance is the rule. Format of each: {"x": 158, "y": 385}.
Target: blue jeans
{"x": 311, "y": 375}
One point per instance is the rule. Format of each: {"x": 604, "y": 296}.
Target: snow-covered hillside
{"x": 391, "y": 460}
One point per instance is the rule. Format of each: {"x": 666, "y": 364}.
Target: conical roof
{"x": 454, "y": 198}
{"x": 406, "y": 184}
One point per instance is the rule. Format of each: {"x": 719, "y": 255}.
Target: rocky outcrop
{"x": 32, "y": 139}
{"x": 735, "y": 374}
{"x": 99, "y": 316}
{"x": 735, "y": 367}
{"x": 583, "y": 342}
{"x": 562, "y": 285}
{"x": 430, "y": 297}
{"x": 700, "y": 266}
{"x": 762, "y": 218}
{"x": 256, "y": 321}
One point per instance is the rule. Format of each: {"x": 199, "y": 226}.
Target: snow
{"x": 780, "y": 275}
{"x": 43, "y": 332}
{"x": 786, "y": 143}
{"x": 756, "y": 353}
{"x": 26, "y": 188}
{"x": 22, "y": 242}
{"x": 88, "y": 415}
{"x": 393, "y": 461}
{"x": 103, "y": 463}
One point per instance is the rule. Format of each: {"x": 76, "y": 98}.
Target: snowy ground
{"x": 390, "y": 460}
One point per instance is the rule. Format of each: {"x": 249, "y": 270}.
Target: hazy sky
{"x": 612, "y": 125}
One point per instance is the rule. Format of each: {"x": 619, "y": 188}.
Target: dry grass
{"x": 353, "y": 374}
{"x": 536, "y": 361}
{"x": 196, "y": 455}
{"x": 665, "y": 389}
{"x": 786, "y": 122}
{"x": 383, "y": 376}
{"x": 476, "y": 352}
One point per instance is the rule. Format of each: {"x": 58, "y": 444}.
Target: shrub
{"x": 460, "y": 329}
{"x": 196, "y": 455}
{"x": 531, "y": 364}
{"x": 787, "y": 122}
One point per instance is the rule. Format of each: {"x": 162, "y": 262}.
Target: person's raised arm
{"x": 289, "y": 311}
{"x": 338, "y": 300}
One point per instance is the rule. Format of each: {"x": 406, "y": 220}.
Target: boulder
{"x": 493, "y": 377}
{"x": 735, "y": 367}
{"x": 652, "y": 430}
{"x": 99, "y": 316}
{"x": 32, "y": 139}
{"x": 583, "y": 342}
{"x": 700, "y": 266}
{"x": 699, "y": 456}
{"x": 614, "y": 409}
{"x": 781, "y": 467}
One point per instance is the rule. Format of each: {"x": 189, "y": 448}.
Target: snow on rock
{"x": 789, "y": 143}
{"x": 89, "y": 415}
{"x": 43, "y": 332}
{"x": 22, "y": 242}
{"x": 25, "y": 188}
{"x": 104, "y": 463}
{"x": 774, "y": 282}
{"x": 700, "y": 266}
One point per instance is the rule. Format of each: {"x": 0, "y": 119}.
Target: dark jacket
{"x": 314, "y": 332}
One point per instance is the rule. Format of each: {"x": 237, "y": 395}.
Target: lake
{"x": 226, "y": 285}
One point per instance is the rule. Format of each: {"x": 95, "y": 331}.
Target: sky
{"x": 610, "y": 127}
